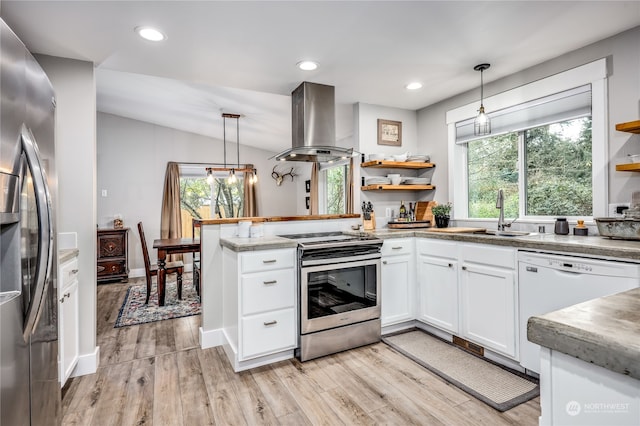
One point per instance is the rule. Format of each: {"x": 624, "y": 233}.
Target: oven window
{"x": 341, "y": 290}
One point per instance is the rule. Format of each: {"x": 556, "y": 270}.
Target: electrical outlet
{"x": 104, "y": 192}
{"x": 615, "y": 209}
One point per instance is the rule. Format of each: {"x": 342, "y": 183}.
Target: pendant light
{"x": 482, "y": 123}
{"x": 247, "y": 168}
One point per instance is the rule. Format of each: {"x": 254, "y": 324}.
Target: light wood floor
{"x": 155, "y": 374}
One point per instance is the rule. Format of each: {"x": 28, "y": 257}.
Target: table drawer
{"x": 267, "y": 260}
{"x": 267, "y": 291}
{"x": 268, "y": 333}
{"x": 112, "y": 268}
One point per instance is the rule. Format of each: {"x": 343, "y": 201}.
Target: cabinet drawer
{"x": 111, "y": 245}
{"x": 486, "y": 254}
{"x": 268, "y": 333}
{"x": 112, "y": 268}
{"x": 267, "y": 260}
{"x": 395, "y": 246}
{"x": 268, "y": 291}
{"x": 437, "y": 248}
{"x": 68, "y": 272}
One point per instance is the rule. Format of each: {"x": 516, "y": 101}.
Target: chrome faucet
{"x": 500, "y": 205}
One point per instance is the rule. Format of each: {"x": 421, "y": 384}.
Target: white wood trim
{"x": 87, "y": 363}
{"x": 211, "y": 338}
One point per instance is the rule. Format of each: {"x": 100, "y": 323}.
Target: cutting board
{"x": 458, "y": 230}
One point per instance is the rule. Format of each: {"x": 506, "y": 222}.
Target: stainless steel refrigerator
{"x": 30, "y": 388}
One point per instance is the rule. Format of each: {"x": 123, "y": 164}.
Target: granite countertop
{"x": 262, "y": 243}
{"x": 588, "y": 245}
{"x": 604, "y": 332}
{"x": 67, "y": 254}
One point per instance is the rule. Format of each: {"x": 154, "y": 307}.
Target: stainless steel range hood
{"x": 313, "y": 121}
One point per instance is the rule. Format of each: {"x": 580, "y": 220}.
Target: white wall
{"x": 74, "y": 85}
{"x": 623, "y": 57}
{"x": 132, "y": 159}
{"x": 366, "y": 124}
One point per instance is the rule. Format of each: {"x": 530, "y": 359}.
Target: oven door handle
{"x": 338, "y": 260}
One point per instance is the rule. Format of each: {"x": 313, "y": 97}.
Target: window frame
{"x": 594, "y": 73}
{"x": 322, "y": 184}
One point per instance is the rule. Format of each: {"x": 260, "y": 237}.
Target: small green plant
{"x": 441, "y": 209}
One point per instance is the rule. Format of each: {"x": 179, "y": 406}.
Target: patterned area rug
{"x": 134, "y": 311}
{"x": 491, "y": 383}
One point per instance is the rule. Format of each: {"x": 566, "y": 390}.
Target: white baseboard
{"x": 87, "y": 363}
{"x": 211, "y": 338}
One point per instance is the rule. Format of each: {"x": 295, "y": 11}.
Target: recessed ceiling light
{"x": 414, "y": 86}
{"x": 151, "y": 34}
{"x": 307, "y": 65}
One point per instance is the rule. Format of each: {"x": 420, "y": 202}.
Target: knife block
{"x": 369, "y": 225}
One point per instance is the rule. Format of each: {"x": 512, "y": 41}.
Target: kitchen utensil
{"x": 562, "y": 226}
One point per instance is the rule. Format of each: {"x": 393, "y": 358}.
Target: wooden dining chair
{"x": 152, "y": 270}
{"x": 196, "y": 258}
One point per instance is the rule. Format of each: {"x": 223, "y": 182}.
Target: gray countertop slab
{"x": 604, "y": 332}
{"x": 262, "y": 243}
{"x": 67, "y": 254}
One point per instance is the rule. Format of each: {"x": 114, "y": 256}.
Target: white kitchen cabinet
{"x": 68, "y": 319}
{"x": 438, "y": 284}
{"x": 260, "y": 296}
{"x": 398, "y": 279}
{"x": 488, "y": 297}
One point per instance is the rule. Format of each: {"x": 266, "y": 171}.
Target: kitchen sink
{"x": 505, "y": 233}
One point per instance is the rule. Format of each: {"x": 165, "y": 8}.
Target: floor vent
{"x": 467, "y": 345}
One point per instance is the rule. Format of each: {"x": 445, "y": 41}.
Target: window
{"x": 556, "y": 173}
{"x": 547, "y": 150}
{"x": 334, "y": 186}
{"x": 199, "y": 200}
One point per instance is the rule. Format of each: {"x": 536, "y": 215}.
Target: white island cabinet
{"x": 438, "y": 284}
{"x": 398, "y": 275}
{"x": 259, "y": 297}
{"x": 489, "y": 297}
{"x": 68, "y": 318}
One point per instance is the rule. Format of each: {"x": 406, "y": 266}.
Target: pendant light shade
{"x": 482, "y": 123}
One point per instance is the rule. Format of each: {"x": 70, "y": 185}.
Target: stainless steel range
{"x": 339, "y": 292}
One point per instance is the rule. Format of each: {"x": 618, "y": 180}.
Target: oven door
{"x": 339, "y": 293}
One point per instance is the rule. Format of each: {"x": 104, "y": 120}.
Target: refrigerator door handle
{"x": 45, "y": 234}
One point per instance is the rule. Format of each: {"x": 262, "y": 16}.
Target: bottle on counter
{"x": 403, "y": 211}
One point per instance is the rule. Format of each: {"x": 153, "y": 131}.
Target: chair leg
{"x": 146, "y": 302}
{"x": 196, "y": 279}
{"x": 179, "y": 285}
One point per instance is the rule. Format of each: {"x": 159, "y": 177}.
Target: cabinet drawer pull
{"x": 270, "y": 322}
{"x": 464, "y": 268}
{"x": 63, "y": 297}
{"x": 451, "y": 265}
{"x": 396, "y": 248}
{"x": 74, "y": 271}
{"x": 269, "y": 261}
{"x": 269, "y": 282}
{"x": 384, "y": 262}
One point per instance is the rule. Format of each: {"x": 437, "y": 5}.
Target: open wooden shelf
{"x": 631, "y": 167}
{"x": 397, "y": 187}
{"x": 630, "y": 127}
{"x": 397, "y": 164}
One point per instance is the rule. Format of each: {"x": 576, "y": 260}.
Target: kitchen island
{"x": 590, "y": 361}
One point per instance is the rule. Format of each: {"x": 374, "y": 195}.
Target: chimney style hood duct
{"x": 313, "y": 120}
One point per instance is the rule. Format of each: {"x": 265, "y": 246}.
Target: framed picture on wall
{"x": 307, "y": 202}
{"x": 307, "y": 186}
{"x": 389, "y": 132}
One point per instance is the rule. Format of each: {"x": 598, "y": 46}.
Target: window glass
{"x": 492, "y": 164}
{"x": 201, "y": 200}
{"x": 336, "y": 189}
{"x": 558, "y": 171}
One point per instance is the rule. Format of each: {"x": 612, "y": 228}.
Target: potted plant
{"x": 441, "y": 213}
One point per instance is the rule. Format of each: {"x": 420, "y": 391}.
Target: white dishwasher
{"x": 548, "y": 282}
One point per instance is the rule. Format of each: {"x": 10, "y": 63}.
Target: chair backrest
{"x": 145, "y": 252}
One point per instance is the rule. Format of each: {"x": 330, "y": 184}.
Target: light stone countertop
{"x": 267, "y": 242}
{"x": 67, "y": 254}
{"x": 604, "y": 332}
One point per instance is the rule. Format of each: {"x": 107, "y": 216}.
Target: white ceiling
{"x": 240, "y": 56}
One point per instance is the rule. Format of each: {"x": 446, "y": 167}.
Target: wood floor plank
{"x": 277, "y": 395}
{"x": 196, "y": 408}
{"x": 255, "y": 408}
{"x": 146, "y": 341}
{"x": 165, "y": 337}
{"x": 167, "y": 409}
{"x": 184, "y": 336}
{"x": 122, "y": 349}
{"x": 139, "y": 393}
{"x": 342, "y": 402}
{"x": 110, "y": 405}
